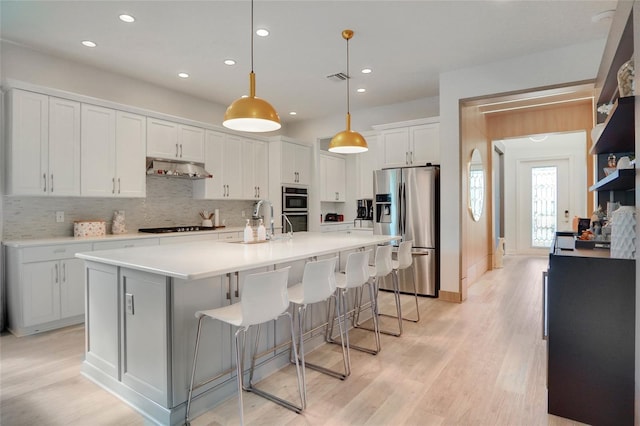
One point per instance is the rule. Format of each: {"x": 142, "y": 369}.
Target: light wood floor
{"x": 481, "y": 362}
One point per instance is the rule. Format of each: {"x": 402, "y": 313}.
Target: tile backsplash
{"x": 169, "y": 202}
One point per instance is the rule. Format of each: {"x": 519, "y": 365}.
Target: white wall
{"x": 549, "y": 68}
{"x": 19, "y": 63}
{"x": 571, "y": 146}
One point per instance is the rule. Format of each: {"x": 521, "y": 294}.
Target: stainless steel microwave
{"x": 294, "y": 199}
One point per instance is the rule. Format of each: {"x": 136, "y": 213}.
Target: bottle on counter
{"x": 248, "y": 233}
{"x": 262, "y": 232}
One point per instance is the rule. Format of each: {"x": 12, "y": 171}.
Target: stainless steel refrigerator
{"x": 407, "y": 203}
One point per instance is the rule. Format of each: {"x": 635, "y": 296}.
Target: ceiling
{"x": 406, "y": 43}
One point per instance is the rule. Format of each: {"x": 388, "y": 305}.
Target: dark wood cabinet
{"x": 591, "y": 337}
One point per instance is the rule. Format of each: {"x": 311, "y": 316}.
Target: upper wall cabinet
{"x": 43, "y": 150}
{"x": 239, "y": 168}
{"x": 296, "y": 163}
{"x": 405, "y": 144}
{"x": 332, "y": 178}
{"x": 174, "y": 141}
{"x": 366, "y": 163}
{"x": 113, "y": 153}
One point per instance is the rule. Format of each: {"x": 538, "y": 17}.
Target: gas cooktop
{"x": 178, "y": 229}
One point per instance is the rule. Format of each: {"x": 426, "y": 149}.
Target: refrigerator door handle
{"x": 404, "y": 209}
{"x": 400, "y": 213}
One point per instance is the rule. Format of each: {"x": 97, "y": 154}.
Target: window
{"x": 544, "y": 205}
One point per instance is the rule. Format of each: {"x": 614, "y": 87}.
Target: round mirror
{"x": 476, "y": 185}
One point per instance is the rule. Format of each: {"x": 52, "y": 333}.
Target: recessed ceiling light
{"x": 88, "y": 43}
{"x": 262, "y": 32}
{"x": 607, "y": 14}
{"x": 126, "y": 18}
{"x": 183, "y": 75}
{"x": 229, "y": 62}
{"x": 293, "y": 113}
{"x": 366, "y": 71}
{"x": 361, "y": 90}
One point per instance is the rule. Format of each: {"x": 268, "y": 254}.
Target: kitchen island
{"x": 140, "y": 323}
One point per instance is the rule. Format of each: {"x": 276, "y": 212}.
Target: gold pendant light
{"x": 348, "y": 141}
{"x": 251, "y": 114}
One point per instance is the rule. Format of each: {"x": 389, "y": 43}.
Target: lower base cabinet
{"x": 45, "y": 287}
{"x": 591, "y": 335}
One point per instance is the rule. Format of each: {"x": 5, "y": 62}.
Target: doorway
{"x": 545, "y": 186}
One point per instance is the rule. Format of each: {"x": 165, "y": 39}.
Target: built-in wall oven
{"x": 295, "y": 205}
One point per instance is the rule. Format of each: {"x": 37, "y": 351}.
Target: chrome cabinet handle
{"x": 113, "y": 185}
{"x": 237, "y": 293}
{"x": 413, "y": 157}
{"x": 64, "y": 272}
{"x": 119, "y": 186}
{"x": 57, "y": 273}
{"x": 406, "y": 158}
{"x": 258, "y": 192}
{"x": 176, "y": 150}
{"x": 51, "y": 182}
{"x": 180, "y": 150}
{"x": 229, "y": 287}
{"x": 44, "y": 177}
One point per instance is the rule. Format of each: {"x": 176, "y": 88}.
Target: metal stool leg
{"x": 193, "y": 372}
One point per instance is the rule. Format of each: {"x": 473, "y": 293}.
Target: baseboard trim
{"x": 450, "y": 296}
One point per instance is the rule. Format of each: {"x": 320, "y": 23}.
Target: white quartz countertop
{"x": 205, "y": 259}
{"x": 111, "y": 237}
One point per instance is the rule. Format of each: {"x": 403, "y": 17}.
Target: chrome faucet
{"x": 256, "y": 215}
{"x": 290, "y": 233}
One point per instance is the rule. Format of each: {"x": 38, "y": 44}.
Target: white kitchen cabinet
{"x": 45, "y": 287}
{"x": 296, "y": 163}
{"x": 113, "y": 153}
{"x": 410, "y": 145}
{"x": 255, "y": 174}
{"x": 366, "y": 163}
{"x": 174, "y": 141}
{"x": 43, "y": 150}
{"x": 223, "y": 158}
{"x": 332, "y": 178}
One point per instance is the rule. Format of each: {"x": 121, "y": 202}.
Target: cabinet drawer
{"x": 141, "y": 242}
{"x": 56, "y": 252}
{"x": 229, "y": 235}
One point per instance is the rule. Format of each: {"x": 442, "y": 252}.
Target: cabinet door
{"x": 191, "y": 143}
{"x": 332, "y": 178}
{"x": 425, "y": 144}
{"x": 255, "y": 176}
{"x": 395, "y": 147}
{"x": 296, "y": 162}
{"x": 233, "y": 164}
{"x": 41, "y": 292}
{"x": 28, "y": 143}
{"x": 64, "y": 147}
{"x": 213, "y": 188}
{"x": 145, "y": 340}
{"x": 98, "y": 151}
{"x": 71, "y": 287}
{"x": 338, "y": 175}
{"x": 324, "y": 171}
{"x": 289, "y": 170}
{"x": 365, "y": 165}
{"x": 162, "y": 139}
{"x": 261, "y": 168}
{"x": 131, "y": 137}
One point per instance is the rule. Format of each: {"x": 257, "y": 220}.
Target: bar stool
{"x": 264, "y": 298}
{"x": 383, "y": 267}
{"x": 356, "y": 276}
{"x": 405, "y": 261}
{"x": 318, "y": 285}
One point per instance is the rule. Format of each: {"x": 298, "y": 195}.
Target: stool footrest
{"x": 282, "y": 402}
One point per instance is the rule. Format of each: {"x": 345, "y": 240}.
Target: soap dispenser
{"x": 262, "y": 232}
{"x": 248, "y": 233}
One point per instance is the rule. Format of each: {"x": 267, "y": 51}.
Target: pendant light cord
{"x": 348, "y": 76}
{"x": 251, "y": 35}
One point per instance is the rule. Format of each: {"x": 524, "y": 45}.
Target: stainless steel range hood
{"x": 176, "y": 169}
